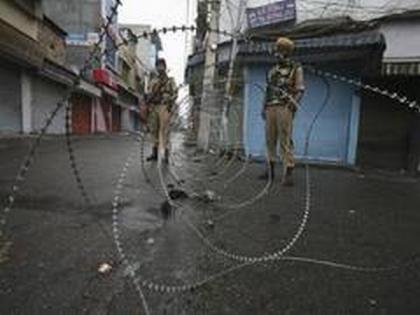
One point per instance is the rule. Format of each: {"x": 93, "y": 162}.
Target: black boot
{"x": 154, "y": 155}
{"x": 288, "y": 177}
{"x": 269, "y": 172}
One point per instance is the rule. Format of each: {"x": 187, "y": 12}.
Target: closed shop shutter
{"x": 10, "y": 110}
{"x": 116, "y": 118}
{"x": 386, "y": 127}
{"x": 329, "y": 137}
{"x": 81, "y": 114}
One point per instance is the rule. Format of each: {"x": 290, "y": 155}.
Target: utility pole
{"x": 234, "y": 50}
{"x": 207, "y": 99}
{"x": 228, "y": 87}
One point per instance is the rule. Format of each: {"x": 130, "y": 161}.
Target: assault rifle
{"x": 154, "y": 97}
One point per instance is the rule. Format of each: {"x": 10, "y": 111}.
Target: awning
{"x": 401, "y": 68}
{"x": 109, "y": 91}
{"x": 343, "y": 41}
{"x": 127, "y": 98}
{"x": 89, "y": 89}
{"x": 346, "y": 41}
{"x": 306, "y": 46}
{"x": 57, "y": 73}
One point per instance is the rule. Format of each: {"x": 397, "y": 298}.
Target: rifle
{"x": 155, "y": 94}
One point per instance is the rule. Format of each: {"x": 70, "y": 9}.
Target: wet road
{"x": 334, "y": 216}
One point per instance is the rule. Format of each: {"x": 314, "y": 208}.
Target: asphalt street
{"x": 347, "y": 241}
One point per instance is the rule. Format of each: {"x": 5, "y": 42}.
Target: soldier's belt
{"x": 278, "y": 103}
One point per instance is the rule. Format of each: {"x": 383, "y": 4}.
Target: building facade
{"x": 389, "y": 132}
{"x": 327, "y": 122}
{"x": 33, "y": 74}
{"x": 21, "y": 23}
{"x": 83, "y": 22}
{"x": 137, "y": 62}
{"x": 338, "y": 122}
{"x": 121, "y": 74}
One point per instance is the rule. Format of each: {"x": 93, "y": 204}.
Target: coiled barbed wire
{"x": 250, "y": 260}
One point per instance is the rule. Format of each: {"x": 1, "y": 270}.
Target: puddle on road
{"x": 137, "y": 219}
{"x": 140, "y": 219}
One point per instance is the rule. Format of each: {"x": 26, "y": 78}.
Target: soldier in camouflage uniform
{"x": 284, "y": 90}
{"x": 161, "y": 99}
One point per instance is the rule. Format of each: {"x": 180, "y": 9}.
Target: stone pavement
{"x": 55, "y": 243}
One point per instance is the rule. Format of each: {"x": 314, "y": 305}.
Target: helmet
{"x": 285, "y": 45}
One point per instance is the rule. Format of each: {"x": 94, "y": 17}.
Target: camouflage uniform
{"x": 162, "y": 96}
{"x": 284, "y": 85}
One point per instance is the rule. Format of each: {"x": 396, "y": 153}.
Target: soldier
{"x": 284, "y": 90}
{"x": 161, "y": 99}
